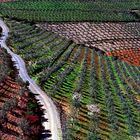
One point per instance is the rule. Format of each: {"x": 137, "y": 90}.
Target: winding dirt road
{"x": 53, "y": 124}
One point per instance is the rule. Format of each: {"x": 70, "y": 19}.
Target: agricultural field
{"x": 98, "y": 95}
{"x": 120, "y": 40}
{"x": 72, "y": 10}
{"x": 20, "y": 114}
{"x": 82, "y": 54}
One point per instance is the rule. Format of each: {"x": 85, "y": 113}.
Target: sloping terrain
{"x": 51, "y": 118}
{"x": 85, "y": 55}
{"x": 98, "y": 96}
{"x": 20, "y": 114}
{"x": 71, "y": 10}
{"x": 115, "y": 39}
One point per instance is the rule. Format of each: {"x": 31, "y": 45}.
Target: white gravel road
{"x": 53, "y": 124}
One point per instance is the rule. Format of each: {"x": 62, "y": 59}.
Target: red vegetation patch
{"x": 89, "y": 57}
{"x": 32, "y": 118}
{"x": 131, "y": 56}
{"x": 16, "y": 102}
{"x": 81, "y": 55}
{"x": 10, "y": 129}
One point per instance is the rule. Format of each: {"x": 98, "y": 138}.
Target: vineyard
{"x": 20, "y": 114}
{"x": 82, "y": 54}
{"x": 115, "y": 39}
{"x": 68, "y": 10}
{"x": 98, "y": 95}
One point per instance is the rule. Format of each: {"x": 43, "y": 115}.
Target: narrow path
{"x": 53, "y": 124}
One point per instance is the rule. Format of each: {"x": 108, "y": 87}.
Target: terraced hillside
{"x": 72, "y": 10}
{"x": 99, "y": 97}
{"x": 115, "y": 39}
{"x": 20, "y": 114}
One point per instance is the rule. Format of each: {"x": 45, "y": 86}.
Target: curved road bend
{"x": 53, "y": 124}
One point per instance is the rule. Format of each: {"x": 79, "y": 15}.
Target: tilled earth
{"x": 108, "y": 37}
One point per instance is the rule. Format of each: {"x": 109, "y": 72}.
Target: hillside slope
{"x": 71, "y": 10}
{"x": 97, "y": 95}
{"x": 20, "y": 114}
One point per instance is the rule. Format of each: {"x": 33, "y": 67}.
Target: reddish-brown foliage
{"x": 12, "y": 117}
{"x": 131, "y": 56}
{"x": 32, "y": 118}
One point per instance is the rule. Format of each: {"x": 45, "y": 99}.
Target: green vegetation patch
{"x": 70, "y": 10}
{"x": 91, "y": 88}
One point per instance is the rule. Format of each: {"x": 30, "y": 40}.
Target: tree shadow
{"x": 45, "y": 134}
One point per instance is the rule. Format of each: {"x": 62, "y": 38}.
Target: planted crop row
{"x": 95, "y": 96}
{"x": 70, "y": 10}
